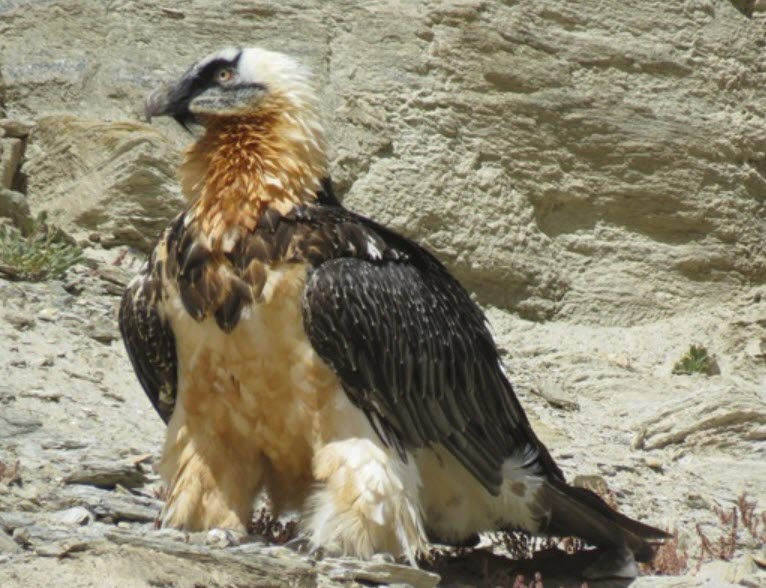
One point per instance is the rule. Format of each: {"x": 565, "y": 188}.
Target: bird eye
{"x": 224, "y": 75}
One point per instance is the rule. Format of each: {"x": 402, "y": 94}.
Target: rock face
{"x": 601, "y": 161}
{"x": 116, "y": 179}
{"x": 594, "y": 171}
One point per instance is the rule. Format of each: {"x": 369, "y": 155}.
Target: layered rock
{"x": 115, "y": 179}
{"x": 589, "y": 162}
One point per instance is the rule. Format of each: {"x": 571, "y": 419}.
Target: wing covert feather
{"x": 414, "y": 352}
{"x": 150, "y": 342}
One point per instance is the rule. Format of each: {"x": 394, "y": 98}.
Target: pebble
{"x": 20, "y": 321}
{"x": 77, "y": 515}
{"x": 653, "y": 463}
{"x": 21, "y": 536}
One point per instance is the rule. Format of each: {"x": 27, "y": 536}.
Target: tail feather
{"x": 584, "y": 514}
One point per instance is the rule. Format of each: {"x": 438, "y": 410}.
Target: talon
{"x": 384, "y": 558}
{"x": 223, "y": 538}
{"x": 305, "y": 546}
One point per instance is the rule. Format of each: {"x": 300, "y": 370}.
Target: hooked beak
{"x": 171, "y": 100}
{"x": 158, "y": 102}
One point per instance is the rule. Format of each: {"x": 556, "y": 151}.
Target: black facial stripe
{"x": 195, "y": 81}
{"x": 205, "y": 77}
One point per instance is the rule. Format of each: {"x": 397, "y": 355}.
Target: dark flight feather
{"x": 414, "y": 351}
{"x": 150, "y": 342}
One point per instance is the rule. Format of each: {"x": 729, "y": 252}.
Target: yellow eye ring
{"x": 225, "y": 74}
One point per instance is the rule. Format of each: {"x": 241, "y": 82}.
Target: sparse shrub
{"x": 742, "y": 514}
{"x": 670, "y": 560}
{"x": 754, "y": 522}
{"x": 695, "y": 361}
{"x": 43, "y": 253}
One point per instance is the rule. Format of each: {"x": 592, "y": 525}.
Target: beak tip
{"x": 156, "y": 103}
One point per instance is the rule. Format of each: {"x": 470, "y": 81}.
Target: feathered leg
{"x": 367, "y": 498}
{"x": 210, "y": 483}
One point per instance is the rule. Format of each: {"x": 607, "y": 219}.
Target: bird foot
{"x": 223, "y": 538}
{"x": 305, "y": 546}
{"x": 384, "y": 557}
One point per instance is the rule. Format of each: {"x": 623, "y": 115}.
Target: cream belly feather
{"x": 258, "y": 409}
{"x": 455, "y": 505}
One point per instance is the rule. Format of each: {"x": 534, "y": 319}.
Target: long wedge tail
{"x": 582, "y": 513}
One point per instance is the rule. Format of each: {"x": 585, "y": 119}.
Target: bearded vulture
{"x": 298, "y": 348}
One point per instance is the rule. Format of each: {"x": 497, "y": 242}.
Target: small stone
{"x": 554, "y": 394}
{"x": 115, "y": 275}
{"x": 102, "y": 334}
{"x": 75, "y": 286}
{"x": 60, "y": 549}
{"x": 734, "y": 572}
{"x": 7, "y": 544}
{"x": 21, "y": 536}
{"x": 10, "y": 158}
{"x": 107, "y": 474}
{"x": 14, "y": 205}
{"x": 172, "y": 535}
{"x": 20, "y": 321}
{"x": 696, "y": 501}
{"x": 653, "y": 463}
{"x": 48, "y": 314}
{"x": 756, "y": 348}
{"x": 77, "y": 515}
{"x": 16, "y": 128}
{"x": 41, "y": 394}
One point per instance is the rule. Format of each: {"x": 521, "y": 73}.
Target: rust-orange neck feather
{"x": 243, "y": 165}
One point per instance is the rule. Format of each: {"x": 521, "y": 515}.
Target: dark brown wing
{"x": 149, "y": 340}
{"x": 413, "y": 351}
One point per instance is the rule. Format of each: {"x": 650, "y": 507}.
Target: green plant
{"x": 44, "y": 252}
{"x": 695, "y": 361}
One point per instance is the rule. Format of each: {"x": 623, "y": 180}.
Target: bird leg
{"x": 210, "y": 484}
{"x": 367, "y": 501}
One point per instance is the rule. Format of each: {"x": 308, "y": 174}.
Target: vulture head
{"x": 235, "y": 83}
{"x": 262, "y": 138}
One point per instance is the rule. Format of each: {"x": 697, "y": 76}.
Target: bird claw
{"x": 223, "y": 538}
{"x": 383, "y": 558}
{"x": 305, "y": 546}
